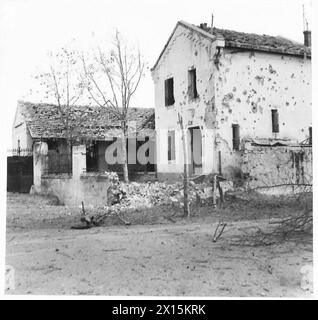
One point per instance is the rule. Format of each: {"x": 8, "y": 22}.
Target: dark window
{"x": 169, "y": 98}
{"x": 275, "y": 123}
{"x": 236, "y": 136}
{"x": 171, "y": 145}
{"x": 92, "y": 156}
{"x": 59, "y": 157}
{"x": 310, "y": 135}
{"x": 52, "y": 144}
{"x": 192, "y": 87}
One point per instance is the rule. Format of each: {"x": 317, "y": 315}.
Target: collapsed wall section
{"x": 277, "y": 169}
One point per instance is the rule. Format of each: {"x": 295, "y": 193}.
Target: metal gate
{"x": 19, "y": 174}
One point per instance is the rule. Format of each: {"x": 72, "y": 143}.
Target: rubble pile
{"x": 145, "y": 195}
{"x": 150, "y": 194}
{"x": 135, "y": 196}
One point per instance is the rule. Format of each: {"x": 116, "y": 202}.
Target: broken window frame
{"x": 275, "y": 121}
{"x": 169, "y": 92}
{"x": 236, "y": 136}
{"x": 171, "y": 150}
{"x": 192, "y": 84}
{"x": 58, "y": 161}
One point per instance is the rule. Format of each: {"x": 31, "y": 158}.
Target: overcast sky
{"x": 31, "y": 28}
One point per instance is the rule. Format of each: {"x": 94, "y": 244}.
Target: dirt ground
{"x": 160, "y": 257}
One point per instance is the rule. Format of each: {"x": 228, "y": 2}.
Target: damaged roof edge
{"x": 252, "y": 48}
{"x": 231, "y": 44}
{"x": 92, "y": 122}
{"x": 188, "y": 26}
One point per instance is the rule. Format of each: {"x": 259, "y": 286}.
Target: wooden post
{"x": 214, "y": 187}
{"x": 220, "y": 163}
{"x": 186, "y": 206}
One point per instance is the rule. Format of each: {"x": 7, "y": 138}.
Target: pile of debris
{"x": 135, "y": 196}
{"x": 138, "y": 195}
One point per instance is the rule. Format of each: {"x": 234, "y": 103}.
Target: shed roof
{"x": 84, "y": 122}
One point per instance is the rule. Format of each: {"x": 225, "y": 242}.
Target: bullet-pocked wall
{"x": 278, "y": 169}
{"x": 248, "y": 86}
{"x": 187, "y": 50}
{"x": 242, "y": 94}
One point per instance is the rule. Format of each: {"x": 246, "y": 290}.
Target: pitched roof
{"x": 188, "y": 26}
{"x": 266, "y": 43}
{"x": 85, "y": 122}
{"x": 246, "y": 41}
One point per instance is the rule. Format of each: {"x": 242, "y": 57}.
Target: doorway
{"x": 195, "y": 139}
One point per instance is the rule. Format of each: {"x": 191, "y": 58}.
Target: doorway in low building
{"x": 195, "y": 139}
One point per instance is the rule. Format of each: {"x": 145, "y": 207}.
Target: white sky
{"x": 30, "y": 28}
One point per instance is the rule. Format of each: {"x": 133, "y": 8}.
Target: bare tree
{"x": 111, "y": 79}
{"x": 62, "y": 86}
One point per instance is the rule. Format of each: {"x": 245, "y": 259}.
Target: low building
{"x": 69, "y": 149}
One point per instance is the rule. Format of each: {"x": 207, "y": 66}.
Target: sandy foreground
{"x": 165, "y": 259}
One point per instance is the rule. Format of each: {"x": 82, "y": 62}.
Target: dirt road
{"x": 178, "y": 259}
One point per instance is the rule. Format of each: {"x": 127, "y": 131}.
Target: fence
{"x": 20, "y": 152}
{"x": 19, "y": 173}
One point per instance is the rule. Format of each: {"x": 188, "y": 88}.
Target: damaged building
{"x": 69, "y": 149}
{"x": 236, "y": 93}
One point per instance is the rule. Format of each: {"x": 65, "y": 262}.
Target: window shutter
{"x": 236, "y": 136}
{"x": 166, "y": 93}
{"x": 171, "y": 145}
{"x": 195, "y": 93}
{"x": 169, "y": 98}
{"x": 192, "y": 85}
{"x": 275, "y": 123}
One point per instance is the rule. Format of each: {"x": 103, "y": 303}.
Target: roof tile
{"x": 85, "y": 122}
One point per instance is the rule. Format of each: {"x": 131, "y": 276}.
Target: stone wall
{"x": 91, "y": 189}
{"x": 248, "y": 86}
{"x": 71, "y": 189}
{"x": 278, "y": 169}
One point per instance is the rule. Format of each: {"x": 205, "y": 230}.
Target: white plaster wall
{"x": 249, "y": 86}
{"x": 284, "y": 166}
{"x": 70, "y": 189}
{"x": 78, "y": 161}
{"x": 40, "y": 150}
{"x": 186, "y": 49}
{"x": 21, "y": 133}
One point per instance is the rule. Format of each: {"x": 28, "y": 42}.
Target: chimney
{"x": 307, "y": 38}
{"x": 204, "y": 26}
